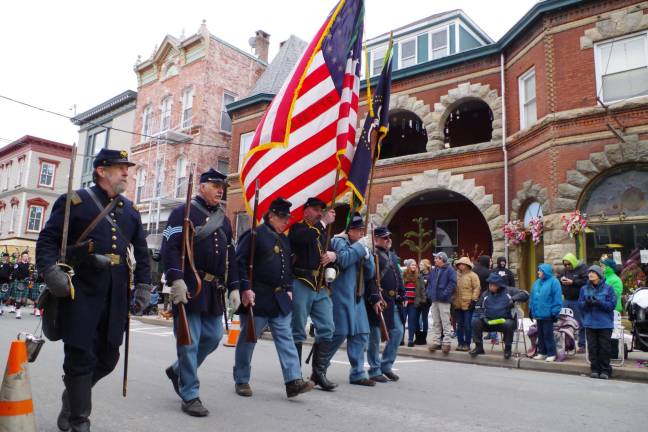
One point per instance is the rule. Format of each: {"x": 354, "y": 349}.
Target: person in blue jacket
{"x": 349, "y": 311}
{"x": 597, "y": 301}
{"x": 544, "y": 307}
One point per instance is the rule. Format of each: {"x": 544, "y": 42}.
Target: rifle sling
{"x": 102, "y": 214}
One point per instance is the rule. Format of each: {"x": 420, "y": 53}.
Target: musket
{"x": 129, "y": 262}
{"x": 250, "y": 335}
{"x": 384, "y": 334}
{"x": 66, "y": 217}
{"x": 186, "y": 251}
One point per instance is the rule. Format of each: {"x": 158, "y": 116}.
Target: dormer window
{"x": 439, "y": 42}
{"x": 377, "y": 57}
{"x": 408, "y": 53}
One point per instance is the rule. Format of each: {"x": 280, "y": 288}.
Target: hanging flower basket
{"x": 536, "y": 228}
{"x": 575, "y": 223}
{"x": 514, "y": 232}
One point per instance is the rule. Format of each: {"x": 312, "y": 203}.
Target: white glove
{"x": 235, "y": 299}
{"x": 179, "y": 292}
{"x": 363, "y": 242}
{"x": 367, "y": 253}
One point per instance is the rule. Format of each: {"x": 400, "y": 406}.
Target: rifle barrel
{"x": 68, "y": 201}
{"x": 251, "y": 327}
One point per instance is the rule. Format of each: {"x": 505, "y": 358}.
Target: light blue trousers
{"x": 377, "y": 364}
{"x": 206, "y": 333}
{"x": 316, "y": 304}
{"x": 281, "y": 334}
{"x": 356, "y": 345}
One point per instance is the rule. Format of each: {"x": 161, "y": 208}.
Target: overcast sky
{"x": 57, "y": 54}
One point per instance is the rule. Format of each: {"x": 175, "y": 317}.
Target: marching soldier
{"x": 271, "y": 296}
{"x": 307, "y": 240}
{"x": 21, "y": 280}
{"x": 215, "y": 263}
{"x": 93, "y": 314}
{"x": 393, "y": 292}
{"x": 349, "y": 311}
{"x": 6, "y": 269}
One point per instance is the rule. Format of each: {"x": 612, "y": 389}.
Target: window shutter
{"x": 422, "y": 48}
{"x": 453, "y": 43}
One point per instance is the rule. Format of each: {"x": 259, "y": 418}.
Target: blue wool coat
{"x": 442, "y": 283}
{"x": 601, "y": 315}
{"x": 546, "y": 295}
{"x": 349, "y": 315}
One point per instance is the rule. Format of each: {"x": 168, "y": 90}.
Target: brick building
{"x": 103, "y": 126}
{"x": 181, "y": 118}
{"x": 551, "y": 118}
{"x": 33, "y": 173}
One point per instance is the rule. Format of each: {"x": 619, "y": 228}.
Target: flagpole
{"x": 329, "y": 226}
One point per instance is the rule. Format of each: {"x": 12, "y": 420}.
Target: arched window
{"x": 471, "y": 122}
{"x": 165, "y": 113}
{"x": 533, "y": 210}
{"x": 146, "y": 121}
{"x": 406, "y": 135}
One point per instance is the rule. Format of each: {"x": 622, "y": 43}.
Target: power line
{"x": 109, "y": 127}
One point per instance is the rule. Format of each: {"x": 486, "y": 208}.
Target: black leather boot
{"x": 320, "y": 361}
{"x": 63, "y": 420}
{"x": 79, "y": 393}
{"x": 299, "y": 352}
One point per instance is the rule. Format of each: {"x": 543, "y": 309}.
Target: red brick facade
{"x": 554, "y": 161}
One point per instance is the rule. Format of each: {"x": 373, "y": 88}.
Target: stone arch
{"x": 633, "y": 150}
{"x": 448, "y": 102}
{"x": 435, "y": 179}
{"x": 409, "y": 103}
{"x": 530, "y": 190}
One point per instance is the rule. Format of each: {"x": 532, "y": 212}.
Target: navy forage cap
{"x": 356, "y": 222}
{"x": 495, "y": 278}
{"x": 315, "y": 202}
{"x": 107, "y": 157}
{"x": 280, "y": 207}
{"x": 382, "y": 232}
{"x": 212, "y": 176}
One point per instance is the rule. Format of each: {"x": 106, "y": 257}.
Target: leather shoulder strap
{"x": 102, "y": 214}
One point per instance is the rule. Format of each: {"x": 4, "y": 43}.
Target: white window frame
{"x": 187, "y": 104}
{"x": 158, "y": 181}
{"x": 12, "y": 221}
{"x": 400, "y": 52}
{"x": 2, "y": 213}
{"x": 181, "y": 177}
{"x": 146, "y": 121}
{"x": 374, "y": 53}
{"x": 245, "y": 141}
{"x": 165, "y": 113}
{"x": 40, "y": 174}
{"x": 224, "y": 111}
{"x": 7, "y": 175}
{"x": 40, "y": 220}
{"x": 522, "y": 102}
{"x": 600, "y": 68}
{"x": 445, "y": 28}
{"x": 21, "y": 169}
{"x": 140, "y": 181}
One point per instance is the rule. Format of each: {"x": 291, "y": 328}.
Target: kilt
{"x": 19, "y": 290}
{"x": 5, "y": 289}
{"x": 35, "y": 290}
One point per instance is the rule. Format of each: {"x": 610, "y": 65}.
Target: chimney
{"x": 261, "y": 45}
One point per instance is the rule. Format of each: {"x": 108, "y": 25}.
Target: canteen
{"x": 330, "y": 274}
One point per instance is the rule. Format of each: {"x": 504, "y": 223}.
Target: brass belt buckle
{"x": 278, "y": 289}
{"x": 391, "y": 293}
{"x": 114, "y": 259}
{"x": 208, "y": 277}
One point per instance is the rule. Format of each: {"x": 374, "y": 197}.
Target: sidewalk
{"x": 635, "y": 368}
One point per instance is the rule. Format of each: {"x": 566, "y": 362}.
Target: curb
{"x": 495, "y": 359}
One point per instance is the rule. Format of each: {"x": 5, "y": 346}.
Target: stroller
{"x": 637, "y": 308}
{"x": 564, "y": 331}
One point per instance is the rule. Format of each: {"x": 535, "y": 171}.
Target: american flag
{"x": 309, "y": 127}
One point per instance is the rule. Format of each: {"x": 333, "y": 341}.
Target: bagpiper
{"x": 103, "y": 224}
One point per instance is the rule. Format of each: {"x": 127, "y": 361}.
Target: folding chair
{"x": 519, "y": 332}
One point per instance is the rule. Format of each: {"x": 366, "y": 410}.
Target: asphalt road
{"x": 431, "y": 395}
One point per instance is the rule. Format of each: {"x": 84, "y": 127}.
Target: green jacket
{"x": 615, "y": 281}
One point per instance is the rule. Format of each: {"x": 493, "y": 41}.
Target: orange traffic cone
{"x": 16, "y": 407}
{"x": 233, "y": 334}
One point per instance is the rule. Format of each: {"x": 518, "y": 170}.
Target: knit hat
{"x": 609, "y": 262}
{"x": 495, "y": 278}
{"x": 596, "y": 269}
{"x": 441, "y": 255}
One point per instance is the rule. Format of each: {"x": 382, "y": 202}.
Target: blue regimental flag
{"x": 374, "y": 130}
